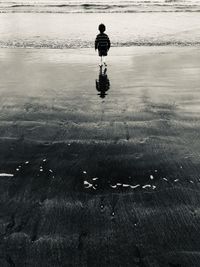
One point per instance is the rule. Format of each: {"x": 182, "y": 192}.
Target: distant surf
{"x": 102, "y": 6}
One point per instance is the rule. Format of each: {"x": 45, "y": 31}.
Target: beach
{"x": 100, "y": 178}
{"x": 78, "y": 30}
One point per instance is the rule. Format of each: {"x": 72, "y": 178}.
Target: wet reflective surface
{"x": 84, "y": 173}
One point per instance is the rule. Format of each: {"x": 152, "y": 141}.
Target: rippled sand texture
{"x": 91, "y": 181}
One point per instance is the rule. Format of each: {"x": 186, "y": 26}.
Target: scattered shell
{"x": 176, "y": 180}
{"x": 151, "y": 177}
{"x": 165, "y": 179}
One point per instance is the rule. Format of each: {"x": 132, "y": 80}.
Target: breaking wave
{"x": 52, "y": 6}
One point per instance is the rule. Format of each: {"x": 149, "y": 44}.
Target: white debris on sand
{"x": 87, "y": 184}
{"x": 146, "y": 186}
{"x": 6, "y": 175}
{"x": 135, "y": 186}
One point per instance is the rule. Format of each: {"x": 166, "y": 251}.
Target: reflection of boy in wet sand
{"x": 102, "y": 43}
{"x": 102, "y": 84}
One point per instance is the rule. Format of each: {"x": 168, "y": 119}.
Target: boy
{"x": 102, "y": 43}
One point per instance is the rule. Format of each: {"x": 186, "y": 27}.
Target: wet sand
{"x": 108, "y": 178}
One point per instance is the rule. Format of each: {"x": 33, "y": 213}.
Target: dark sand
{"x": 91, "y": 181}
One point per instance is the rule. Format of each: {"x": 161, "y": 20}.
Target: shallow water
{"x": 143, "y": 135}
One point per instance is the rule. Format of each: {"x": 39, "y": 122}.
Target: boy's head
{"x": 102, "y": 28}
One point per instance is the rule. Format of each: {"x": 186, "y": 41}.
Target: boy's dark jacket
{"x": 102, "y": 42}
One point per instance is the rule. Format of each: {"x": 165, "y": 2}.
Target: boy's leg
{"x": 104, "y": 61}
{"x": 101, "y": 62}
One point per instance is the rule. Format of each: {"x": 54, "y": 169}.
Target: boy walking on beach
{"x": 102, "y": 43}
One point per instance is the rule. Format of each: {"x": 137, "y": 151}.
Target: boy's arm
{"x": 96, "y": 43}
{"x": 108, "y": 43}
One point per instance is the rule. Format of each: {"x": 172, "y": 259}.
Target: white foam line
{"x": 135, "y": 186}
{"x": 6, "y": 175}
{"x": 125, "y": 185}
{"x": 147, "y": 185}
{"x": 113, "y": 186}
